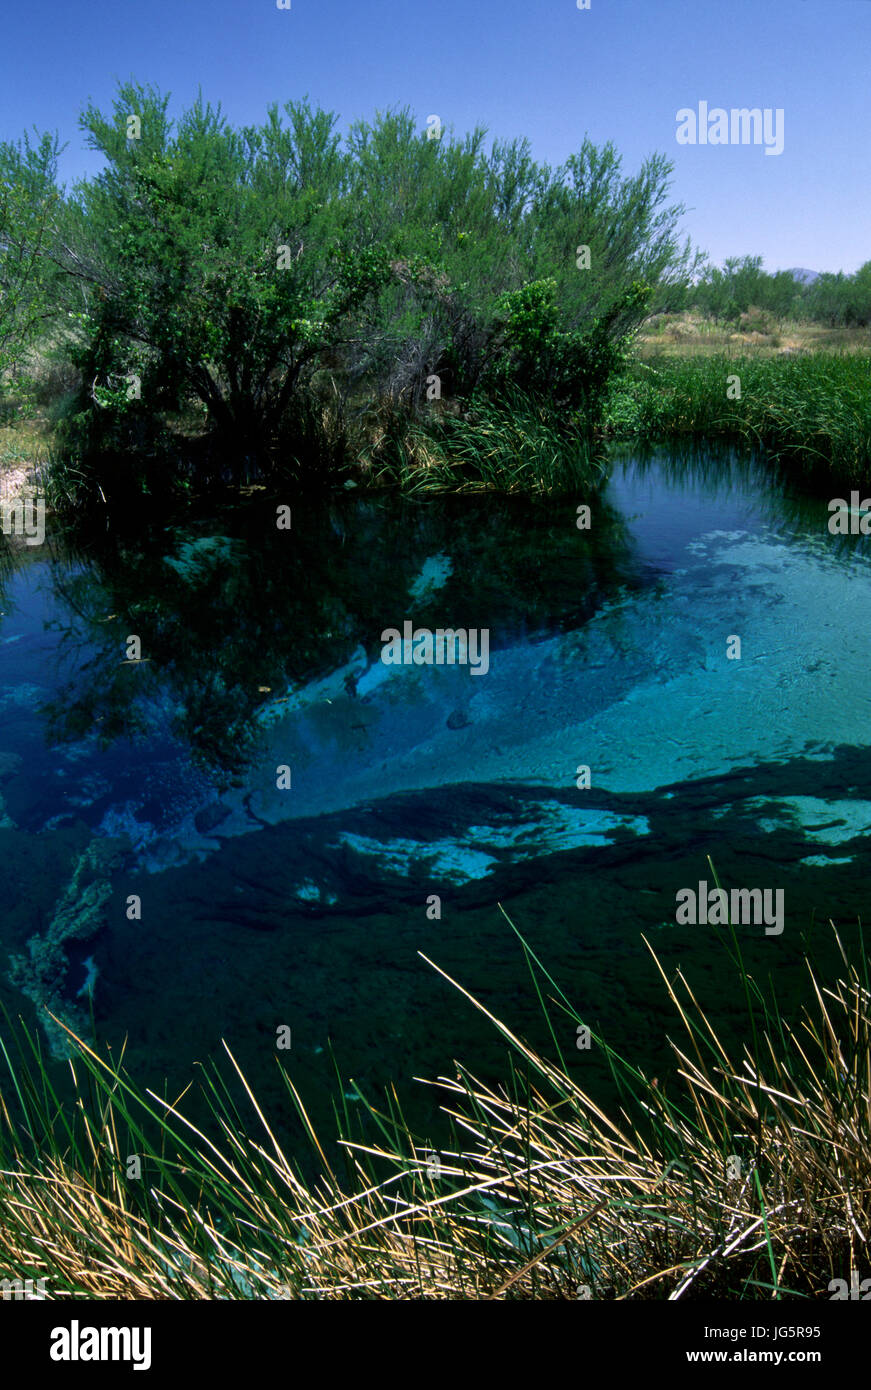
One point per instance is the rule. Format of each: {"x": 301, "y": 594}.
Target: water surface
{"x": 310, "y": 906}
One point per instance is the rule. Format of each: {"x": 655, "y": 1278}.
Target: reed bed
{"x": 810, "y": 410}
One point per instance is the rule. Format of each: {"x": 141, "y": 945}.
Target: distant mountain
{"x": 804, "y": 277}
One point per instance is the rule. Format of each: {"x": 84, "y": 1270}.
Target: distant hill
{"x": 804, "y": 277}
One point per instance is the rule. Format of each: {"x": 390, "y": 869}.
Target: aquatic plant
{"x": 812, "y": 411}
{"x": 80, "y": 913}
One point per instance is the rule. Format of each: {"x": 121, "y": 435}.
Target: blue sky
{"x": 540, "y": 68}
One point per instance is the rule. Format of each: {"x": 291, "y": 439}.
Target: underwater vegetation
{"x": 43, "y": 974}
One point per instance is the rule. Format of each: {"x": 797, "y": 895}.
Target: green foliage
{"x": 214, "y": 284}
{"x": 569, "y": 367}
{"x": 223, "y": 270}
{"x": 28, "y": 202}
{"x": 838, "y": 301}
{"x": 841, "y": 301}
{"x": 742, "y": 285}
{"x": 813, "y": 410}
{"x": 475, "y": 228}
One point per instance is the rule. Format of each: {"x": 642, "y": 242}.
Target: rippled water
{"x": 310, "y": 906}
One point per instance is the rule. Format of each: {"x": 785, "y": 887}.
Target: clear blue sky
{"x": 540, "y": 68}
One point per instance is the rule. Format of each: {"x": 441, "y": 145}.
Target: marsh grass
{"x": 812, "y": 410}
{"x": 514, "y": 445}
{"x": 744, "y": 1177}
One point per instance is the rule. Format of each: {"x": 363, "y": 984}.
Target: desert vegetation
{"x": 402, "y": 307}
{"x": 229, "y": 304}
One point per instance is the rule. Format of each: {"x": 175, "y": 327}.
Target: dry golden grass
{"x": 744, "y": 1177}
{"x": 689, "y": 334}
{"x": 24, "y": 446}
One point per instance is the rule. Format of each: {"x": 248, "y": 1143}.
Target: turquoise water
{"x": 310, "y": 905}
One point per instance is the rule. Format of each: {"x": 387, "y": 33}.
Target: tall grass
{"x": 812, "y": 410}
{"x": 516, "y": 444}
{"x": 743, "y": 1177}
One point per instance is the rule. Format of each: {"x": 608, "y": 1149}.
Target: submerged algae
{"x": 79, "y": 914}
